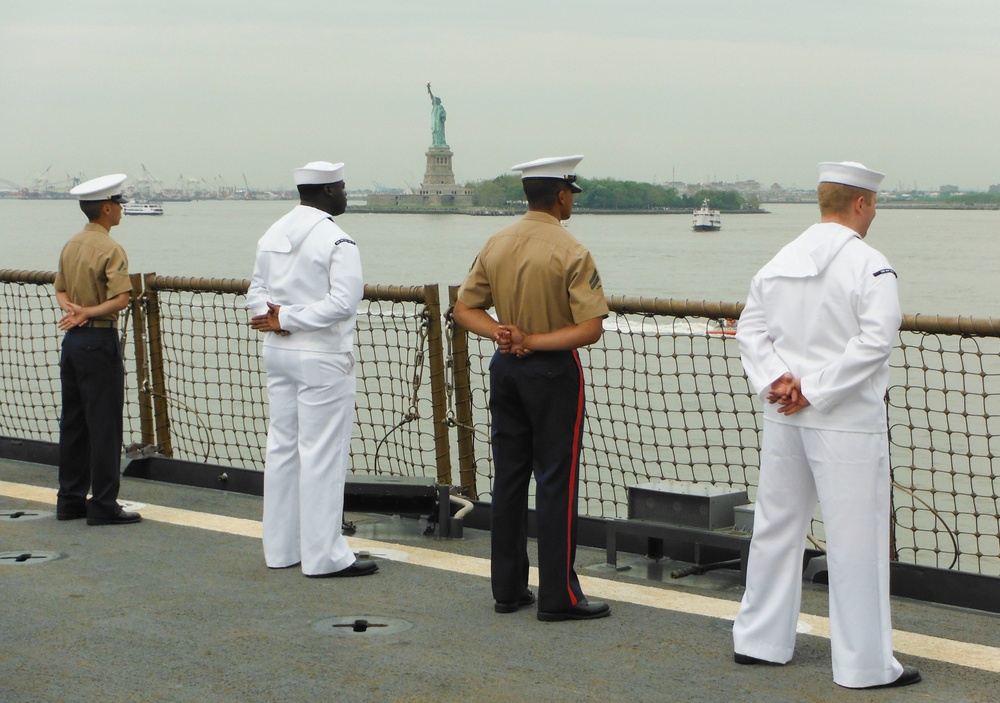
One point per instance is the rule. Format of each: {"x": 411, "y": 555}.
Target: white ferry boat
{"x": 706, "y": 220}
{"x": 142, "y": 207}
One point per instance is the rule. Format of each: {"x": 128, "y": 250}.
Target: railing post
{"x": 143, "y": 398}
{"x": 439, "y": 396}
{"x": 893, "y": 552}
{"x": 463, "y": 405}
{"x": 156, "y": 372}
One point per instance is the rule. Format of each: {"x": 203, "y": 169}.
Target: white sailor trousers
{"x": 848, "y": 472}
{"x": 311, "y": 399}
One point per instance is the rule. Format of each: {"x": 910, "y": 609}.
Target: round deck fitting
{"x": 361, "y": 626}
{"x": 23, "y": 515}
{"x": 27, "y": 557}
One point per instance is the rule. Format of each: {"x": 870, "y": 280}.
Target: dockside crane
{"x": 40, "y": 182}
{"x": 148, "y": 185}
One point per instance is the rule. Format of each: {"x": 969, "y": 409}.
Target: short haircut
{"x": 310, "y": 192}
{"x": 92, "y": 208}
{"x": 542, "y": 193}
{"x": 836, "y": 198}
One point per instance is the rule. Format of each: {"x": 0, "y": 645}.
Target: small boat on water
{"x": 707, "y": 220}
{"x": 142, "y": 207}
{"x": 724, "y": 326}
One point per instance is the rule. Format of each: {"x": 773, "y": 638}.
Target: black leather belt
{"x": 103, "y": 324}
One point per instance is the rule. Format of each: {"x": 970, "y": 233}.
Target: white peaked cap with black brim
{"x": 561, "y": 167}
{"x": 102, "y": 188}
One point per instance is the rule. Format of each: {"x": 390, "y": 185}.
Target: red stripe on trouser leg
{"x": 573, "y": 479}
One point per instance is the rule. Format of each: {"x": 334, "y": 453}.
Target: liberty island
{"x": 438, "y": 191}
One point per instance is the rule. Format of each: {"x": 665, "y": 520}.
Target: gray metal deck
{"x": 181, "y": 608}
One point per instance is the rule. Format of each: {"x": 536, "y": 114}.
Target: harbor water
{"x": 946, "y": 259}
{"x": 943, "y": 271}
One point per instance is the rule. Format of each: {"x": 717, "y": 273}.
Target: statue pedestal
{"x": 437, "y": 192}
{"x": 439, "y": 188}
{"x": 439, "y": 171}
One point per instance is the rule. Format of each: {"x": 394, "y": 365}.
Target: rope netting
{"x": 670, "y": 401}
{"x": 29, "y": 359}
{"x": 944, "y": 414}
{"x": 666, "y": 399}
{"x": 214, "y": 378}
{"x": 393, "y": 434}
{"x": 30, "y": 340}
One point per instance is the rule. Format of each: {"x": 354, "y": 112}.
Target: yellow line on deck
{"x": 976, "y": 656}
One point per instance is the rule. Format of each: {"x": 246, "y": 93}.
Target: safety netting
{"x": 666, "y": 399}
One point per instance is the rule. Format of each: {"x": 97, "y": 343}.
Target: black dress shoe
{"x": 909, "y": 675}
{"x": 524, "y": 600}
{"x": 122, "y": 518}
{"x": 580, "y": 611}
{"x": 290, "y": 566}
{"x": 360, "y": 567}
{"x": 746, "y": 659}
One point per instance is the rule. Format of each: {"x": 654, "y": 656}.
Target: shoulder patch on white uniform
{"x": 881, "y": 271}
{"x": 345, "y": 240}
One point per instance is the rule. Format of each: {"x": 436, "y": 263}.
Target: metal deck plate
{"x": 28, "y": 557}
{"x": 23, "y": 515}
{"x": 361, "y": 626}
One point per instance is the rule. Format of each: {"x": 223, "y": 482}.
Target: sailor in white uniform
{"x": 820, "y": 321}
{"x": 304, "y": 296}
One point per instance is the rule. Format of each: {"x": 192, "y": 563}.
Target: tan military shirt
{"x": 93, "y": 268}
{"x": 537, "y": 276}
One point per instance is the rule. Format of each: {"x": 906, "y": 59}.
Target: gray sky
{"x": 646, "y": 90}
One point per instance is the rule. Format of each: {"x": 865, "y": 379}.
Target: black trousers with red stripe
{"x": 537, "y": 408}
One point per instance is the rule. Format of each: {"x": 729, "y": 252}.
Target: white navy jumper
{"x": 825, "y": 309}
{"x": 306, "y": 264}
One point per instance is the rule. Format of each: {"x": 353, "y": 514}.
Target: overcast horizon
{"x": 716, "y": 90}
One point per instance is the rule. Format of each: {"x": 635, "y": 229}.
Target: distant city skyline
{"x": 150, "y": 182}
{"x": 720, "y": 90}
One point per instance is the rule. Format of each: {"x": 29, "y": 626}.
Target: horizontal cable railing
{"x": 667, "y": 399}
{"x": 206, "y": 363}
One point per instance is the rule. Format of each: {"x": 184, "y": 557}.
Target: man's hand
{"x": 780, "y": 388}
{"x": 268, "y": 322}
{"x": 75, "y": 316}
{"x": 502, "y": 340}
{"x": 511, "y": 340}
{"x": 787, "y": 392}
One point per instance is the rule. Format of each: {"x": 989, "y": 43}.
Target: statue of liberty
{"x": 438, "y": 116}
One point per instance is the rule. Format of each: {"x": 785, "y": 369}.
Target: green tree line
{"x": 967, "y": 199}
{"x": 607, "y": 194}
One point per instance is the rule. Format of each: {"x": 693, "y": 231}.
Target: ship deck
{"x": 181, "y": 608}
